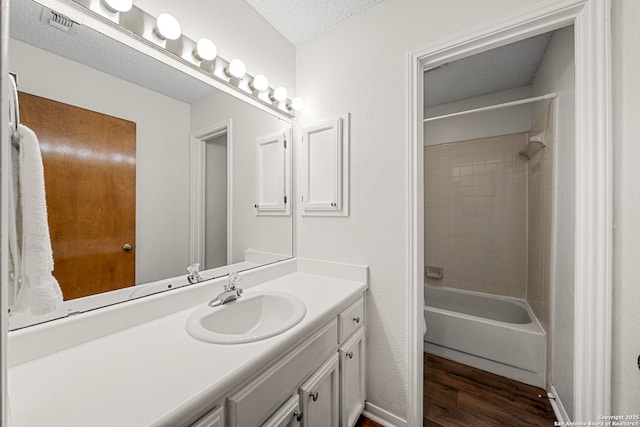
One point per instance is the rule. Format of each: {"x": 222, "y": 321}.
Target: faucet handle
{"x": 194, "y": 268}
{"x": 234, "y": 279}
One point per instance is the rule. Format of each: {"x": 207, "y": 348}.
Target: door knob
{"x": 127, "y": 247}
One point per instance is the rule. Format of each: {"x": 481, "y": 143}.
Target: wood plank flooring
{"x": 366, "y": 422}
{"x": 457, "y": 395}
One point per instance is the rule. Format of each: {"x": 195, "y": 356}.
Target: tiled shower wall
{"x": 540, "y": 205}
{"x": 475, "y": 214}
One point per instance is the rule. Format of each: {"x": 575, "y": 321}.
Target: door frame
{"x": 5, "y": 166}
{"x": 198, "y": 141}
{"x": 593, "y": 191}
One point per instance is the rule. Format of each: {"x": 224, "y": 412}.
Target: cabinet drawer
{"x": 350, "y": 319}
{"x": 288, "y": 415}
{"x": 214, "y": 418}
{"x": 253, "y": 404}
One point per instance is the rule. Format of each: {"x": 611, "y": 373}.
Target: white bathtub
{"x": 492, "y": 333}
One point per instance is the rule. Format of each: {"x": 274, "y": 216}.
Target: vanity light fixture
{"x": 296, "y": 104}
{"x": 279, "y": 94}
{"x": 168, "y": 27}
{"x": 206, "y": 50}
{"x": 118, "y": 5}
{"x": 234, "y": 73}
{"x": 259, "y": 83}
{"x": 236, "y": 69}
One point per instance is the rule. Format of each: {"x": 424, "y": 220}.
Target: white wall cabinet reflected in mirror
{"x": 325, "y": 151}
{"x": 272, "y": 184}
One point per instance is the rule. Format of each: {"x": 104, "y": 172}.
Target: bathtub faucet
{"x": 231, "y": 291}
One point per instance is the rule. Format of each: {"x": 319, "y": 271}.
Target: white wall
{"x": 272, "y": 234}
{"x": 503, "y": 121}
{"x": 556, "y": 73}
{"x": 360, "y": 67}
{"x": 162, "y": 149}
{"x": 238, "y": 32}
{"x": 626, "y": 292}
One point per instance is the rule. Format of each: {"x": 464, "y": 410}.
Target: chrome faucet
{"x": 231, "y": 291}
{"x": 194, "y": 275}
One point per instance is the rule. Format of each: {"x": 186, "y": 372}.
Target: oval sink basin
{"x": 249, "y": 318}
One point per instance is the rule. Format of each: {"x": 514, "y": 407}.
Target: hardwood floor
{"x": 366, "y": 422}
{"x": 457, "y": 395}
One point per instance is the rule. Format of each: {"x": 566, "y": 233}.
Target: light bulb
{"x": 118, "y": 5}
{"x": 168, "y": 27}
{"x": 279, "y": 94}
{"x": 236, "y": 69}
{"x": 206, "y": 50}
{"x": 297, "y": 104}
{"x": 259, "y": 83}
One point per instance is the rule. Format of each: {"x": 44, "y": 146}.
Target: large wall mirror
{"x": 147, "y": 169}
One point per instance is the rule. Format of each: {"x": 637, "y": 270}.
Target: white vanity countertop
{"x": 155, "y": 372}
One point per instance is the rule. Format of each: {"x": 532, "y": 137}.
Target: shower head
{"x": 535, "y": 144}
{"x": 537, "y": 138}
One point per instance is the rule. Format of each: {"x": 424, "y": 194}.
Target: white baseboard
{"x": 381, "y": 416}
{"x": 558, "y": 407}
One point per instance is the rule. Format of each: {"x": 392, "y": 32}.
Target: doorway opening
{"x": 499, "y": 166}
{"x": 211, "y": 197}
{"x": 592, "y": 241}
{"x": 215, "y": 218}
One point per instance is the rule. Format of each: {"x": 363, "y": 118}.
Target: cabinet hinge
{"x": 285, "y": 199}
{"x": 285, "y": 143}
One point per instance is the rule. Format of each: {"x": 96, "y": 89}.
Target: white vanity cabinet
{"x": 318, "y": 383}
{"x": 319, "y": 397}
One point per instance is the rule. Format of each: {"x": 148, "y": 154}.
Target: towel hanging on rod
{"x": 551, "y": 95}
{"x": 14, "y": 110}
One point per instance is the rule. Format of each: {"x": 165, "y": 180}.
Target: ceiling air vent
{"x": 58, "y": 21}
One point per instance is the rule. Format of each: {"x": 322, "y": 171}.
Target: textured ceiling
{"x": 302, "y": 20}
{"x": 495, "y": 70}
{"x": 102, "y": 53}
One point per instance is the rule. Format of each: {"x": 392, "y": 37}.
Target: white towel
{"x": 39, "y": 291}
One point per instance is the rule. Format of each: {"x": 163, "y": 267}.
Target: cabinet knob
{"x": 127, "y": 247}
{"x": 297, "y": 415}
{"x": 356, "y": 319}
{"x": 349, "y": 355}
{"x": 334, "y": 204}
{"x": 313, "y": 395}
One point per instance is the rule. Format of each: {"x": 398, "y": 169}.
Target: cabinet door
{"x": 271, "y": 185}
{"x": 319, "y": 396}
{"x": 352, "y": 376}
{"x": 214, "y": 418}
{"x": 325, "y": 168}
{"x": 289, "y": 414}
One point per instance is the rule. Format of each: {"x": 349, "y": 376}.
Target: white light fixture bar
{"x": 232, "y": 74}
